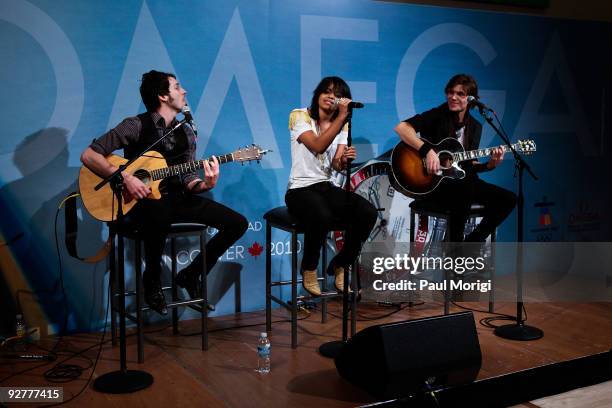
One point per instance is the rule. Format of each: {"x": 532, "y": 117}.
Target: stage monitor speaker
{"x": 400, "y": 359}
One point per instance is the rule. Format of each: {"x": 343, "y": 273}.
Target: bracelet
{"x": 423, "y": 150}
{"x": 195, "y": 186}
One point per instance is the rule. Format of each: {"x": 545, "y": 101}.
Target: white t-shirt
{"x": 308, "y": 168}
{"x": 460, "y": 133}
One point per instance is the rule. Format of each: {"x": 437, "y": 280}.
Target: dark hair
{"x": 154, "y": 83}
{"x": 467, "y": 81}
{"x": 340, "y": 88}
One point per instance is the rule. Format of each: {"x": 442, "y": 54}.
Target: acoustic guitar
{"x": 410, "y": 172}
{"x": 151, "y": 168}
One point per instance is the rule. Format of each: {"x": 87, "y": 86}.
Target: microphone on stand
{"x": 187, "y": 113}
{"x": 475, "y": 102}
{"x": 355, "y": 105}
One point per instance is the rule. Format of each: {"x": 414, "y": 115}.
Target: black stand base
{"x": 123, "y": 382}
{"x": 519, "y": 332}
{"x": 331, "y": 349}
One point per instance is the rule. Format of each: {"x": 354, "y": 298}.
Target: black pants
{"x": 323, "y": 206}
{"x": 154, "y": 217}
{"x": 458, "y": 196}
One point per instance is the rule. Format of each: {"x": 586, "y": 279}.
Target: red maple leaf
{"x": 255, "y": 249}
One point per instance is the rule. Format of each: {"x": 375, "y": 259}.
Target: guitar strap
{"x": 71, "y": 227}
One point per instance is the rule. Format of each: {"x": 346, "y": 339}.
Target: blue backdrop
{"x": 71, "y": 71}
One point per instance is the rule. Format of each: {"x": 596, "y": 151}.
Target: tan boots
{"x": 339, "y": 282}
{"x": 310, "y": 282}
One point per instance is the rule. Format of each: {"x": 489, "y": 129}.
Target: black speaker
{"x": 399, "y": 359}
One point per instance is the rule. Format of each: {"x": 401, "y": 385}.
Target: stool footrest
{"x": 324, "y": 295}
{"x": 180, "y": 303}
{"x": 133, "y": 292}
{"x": 198, "y": 308}
{"x": 288, "y": 282}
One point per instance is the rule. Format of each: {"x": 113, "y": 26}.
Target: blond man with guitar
{"x": 177, "y": 198}
{"x": 440, "y": 129}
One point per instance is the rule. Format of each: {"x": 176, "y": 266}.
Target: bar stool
{"x": 427, "y": 209}
{"x": 199, "y": 304}
{"x": 281, "y": 218}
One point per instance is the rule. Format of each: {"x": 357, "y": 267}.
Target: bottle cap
{"x": 264, "y": 334}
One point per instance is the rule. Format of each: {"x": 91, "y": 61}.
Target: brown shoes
{"x": 339, "y": 278}
{"x": 310, "y": 282}
{"x": 339, "y": 281}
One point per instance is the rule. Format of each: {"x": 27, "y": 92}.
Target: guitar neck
{"x": 177, "y": 170}
{"x": 477, "y": 154}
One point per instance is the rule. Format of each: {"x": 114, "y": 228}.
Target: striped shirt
{"x": 127, "y": 132}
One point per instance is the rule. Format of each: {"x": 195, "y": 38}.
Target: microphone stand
{"x": 123, "y": 380}
{"x": 518, "y": 330}
{"x": 331, "y": 349}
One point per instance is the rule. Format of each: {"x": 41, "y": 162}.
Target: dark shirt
{"x": 175, "y": 150}
{"x": 439, "y": 123}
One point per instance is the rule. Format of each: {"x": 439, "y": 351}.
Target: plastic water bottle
{"x": 263, "y": 354}
{"x": 20, "y": 326}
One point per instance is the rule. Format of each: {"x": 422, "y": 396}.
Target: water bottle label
{"x": 263, "y": 350}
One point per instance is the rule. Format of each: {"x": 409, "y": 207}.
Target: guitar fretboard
{"x": 477, "y": 154}
{"x": 177, "y": 170}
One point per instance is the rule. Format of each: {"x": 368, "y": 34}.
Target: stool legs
{"x": 268, "y": 278}
{"x": 324, "y": 288}
{"x": 492, "y": 269}
{"x": 447, "y": 274}
{"x": 116, "y": 287}
{"x": 354, "y": 287}
{"x": 204, "y": 293}
{"x": 291, "y": 305}
{"x": 294, "y": 279}
{"x": 447, "y": 292}
{"x": 174, "y": 288}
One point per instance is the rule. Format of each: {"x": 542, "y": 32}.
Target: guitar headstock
{"x": 527, "y": 146}
{"x": 249, "y": 153}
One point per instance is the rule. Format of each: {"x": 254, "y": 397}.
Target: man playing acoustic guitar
{"x": 164, "y": 98}
{"x": 453, "y": 120}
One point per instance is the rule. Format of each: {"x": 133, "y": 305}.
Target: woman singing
{"x": 318, "y": 146}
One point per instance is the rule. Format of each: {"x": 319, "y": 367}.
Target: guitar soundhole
{"x": 446, "y": 159}
{"x": 143, "y": 176}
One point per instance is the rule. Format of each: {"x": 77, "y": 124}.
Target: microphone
{"x": 355, "y": 105}
{"x": 187, "y": 113}
{"x": 475, "y": 102}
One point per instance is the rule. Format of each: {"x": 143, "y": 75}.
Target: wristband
{"x": 424, "y": 149}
